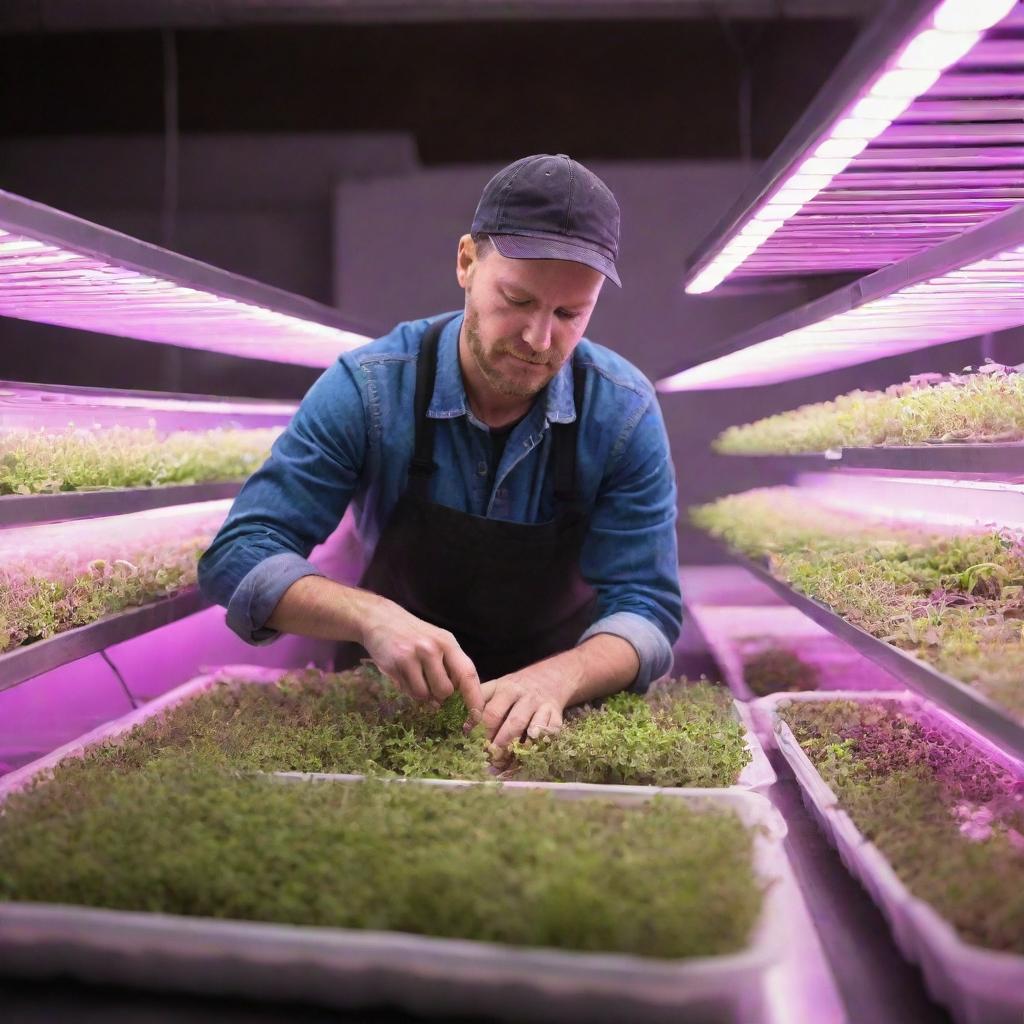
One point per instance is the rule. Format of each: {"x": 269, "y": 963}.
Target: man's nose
{"x": 538, "y": 332}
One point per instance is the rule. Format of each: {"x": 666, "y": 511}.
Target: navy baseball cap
{"x": 551, "y": 208}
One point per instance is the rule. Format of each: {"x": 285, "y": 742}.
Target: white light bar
{"x": 967, "y": 286}
{"x": 878, "y": 84}
{"x": 61, "y": 270}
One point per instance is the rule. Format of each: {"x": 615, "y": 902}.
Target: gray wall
{"x": 395, "y": 241}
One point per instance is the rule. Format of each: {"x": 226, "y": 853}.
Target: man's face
{"x": 524, "y": 317}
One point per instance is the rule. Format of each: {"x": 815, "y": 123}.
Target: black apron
{"x": 512, "y": 593}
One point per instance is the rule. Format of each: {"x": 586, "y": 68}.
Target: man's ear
{"x": 466, "y": 260}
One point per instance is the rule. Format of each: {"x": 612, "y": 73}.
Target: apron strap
{"x": 422, "y": 465}
{"x": 565, "y": 443}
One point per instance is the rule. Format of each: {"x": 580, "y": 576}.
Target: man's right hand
{"x": 423, "y": 660}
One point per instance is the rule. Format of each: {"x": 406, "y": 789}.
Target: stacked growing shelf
{"x": 107, "y": 497}
{"x": 907, "y": 165}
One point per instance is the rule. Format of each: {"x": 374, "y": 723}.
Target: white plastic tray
{"x": 733, "y": 633}
{"x": 352, "y": 968}
{"x": 980, "y": 986}
{"x": 757, "y": 776}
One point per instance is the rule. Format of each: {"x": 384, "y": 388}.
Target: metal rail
{"x": 964, "y": 460}
{"x": 24, "y": 509}
{"x": 34, "y": 659}
{"x": 955, "y": 696}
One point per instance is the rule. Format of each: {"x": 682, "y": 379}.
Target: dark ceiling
{"x": 480, "y": 91}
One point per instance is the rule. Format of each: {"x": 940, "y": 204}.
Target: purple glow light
{"x": 985, "y": 295}
{"x": 971, "y": 15}
{"x": 936, "y": 50}
{"x": 859, "y": 139}
{"x": 959, "y": 505}
{"x": 84, "y": 536}
{"x": 48, "y": 283}
{"x": 39, "y": 406}
{"x": 45, "y": 712}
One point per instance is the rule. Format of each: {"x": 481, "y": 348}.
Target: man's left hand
{"x": 530, "y": 701}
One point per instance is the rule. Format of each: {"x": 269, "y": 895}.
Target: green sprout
{"x": 358, "y": 723}
{"x": 77, "y": 459}
{"x": 951, "y": 599}
{"x": 948, "y": 819}
{"x": 181, "y": 835}
{"x": 982, "y": 407}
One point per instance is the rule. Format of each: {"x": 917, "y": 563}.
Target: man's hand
{"x": 529, "y": 701}
{"x": 423, "y": 660}
{"x": 532, "y": 700}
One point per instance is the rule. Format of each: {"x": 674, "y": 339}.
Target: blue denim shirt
{"x": 351, "y": 441}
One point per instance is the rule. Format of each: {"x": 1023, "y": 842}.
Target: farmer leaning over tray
{"x": 511, "y": 483}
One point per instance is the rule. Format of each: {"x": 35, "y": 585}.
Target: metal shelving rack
{"x": 61, "y": 270}
{"x": 24, "y": 663}
{"x": 925, "y": 206}
{"x": 969, "y": 285}
{"x": 881, "y": 166}
{"x": 957, "y": 271}
{"x": 952, "y": 694}
{"x": 23, "y": 509}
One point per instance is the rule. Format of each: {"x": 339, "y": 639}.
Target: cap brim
{"x": 527, "y": 247}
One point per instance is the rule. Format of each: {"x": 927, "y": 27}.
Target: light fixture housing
{"x": 59, "y": 269}
{"x": 54, "y": 407}
{"x": 967, "y": 286}
{"x": 917, "y": 137}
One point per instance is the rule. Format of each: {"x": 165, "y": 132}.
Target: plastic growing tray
{"x": 352, "y": 968}
{"x": 980, "y": 986}
{"x": 734, "y": 633}
{"x": 757, "y": 776}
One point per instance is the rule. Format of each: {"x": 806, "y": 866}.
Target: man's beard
{"x": 501, "y": 382}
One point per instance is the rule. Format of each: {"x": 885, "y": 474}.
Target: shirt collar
{"x": 449, "y": 398}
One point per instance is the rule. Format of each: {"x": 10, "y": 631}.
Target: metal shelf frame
{"x": 70, "y": 396}
{"x": 966, "y": 461}
{"x": 25, "y": 509}
{"x": 32, "y": 660}
{"x": 23, "y": 217}
{"x": 880, "y": 36}
{"x": 955, "y": 696}
{"x": 953, "y": 135}
{"x": 1003, "y": 234}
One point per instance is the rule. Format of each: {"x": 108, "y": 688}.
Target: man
{"x": 510, "y": 481}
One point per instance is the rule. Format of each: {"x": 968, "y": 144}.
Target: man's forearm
{"x": 601, "y": 665}
{"x": 318, "y": 607}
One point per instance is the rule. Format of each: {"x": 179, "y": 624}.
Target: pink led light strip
{"x": 49, "y": 283}
{"x": 79, "y": 536}
{"x": 839, "y": 209}
{"x": 985, "y": 294}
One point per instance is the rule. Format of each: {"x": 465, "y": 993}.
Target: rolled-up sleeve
{"x": 288, "y": 506}
{"x": 630, "y": 554}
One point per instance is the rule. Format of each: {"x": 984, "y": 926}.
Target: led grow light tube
{"x": 967, "y": 286}
{"x": 916, "y": 46}
{"x": 58, "y": 269}
{"x": 52, "y": 406}
{"x": 78, "y": 537}
{"x": 963, "y": 505}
